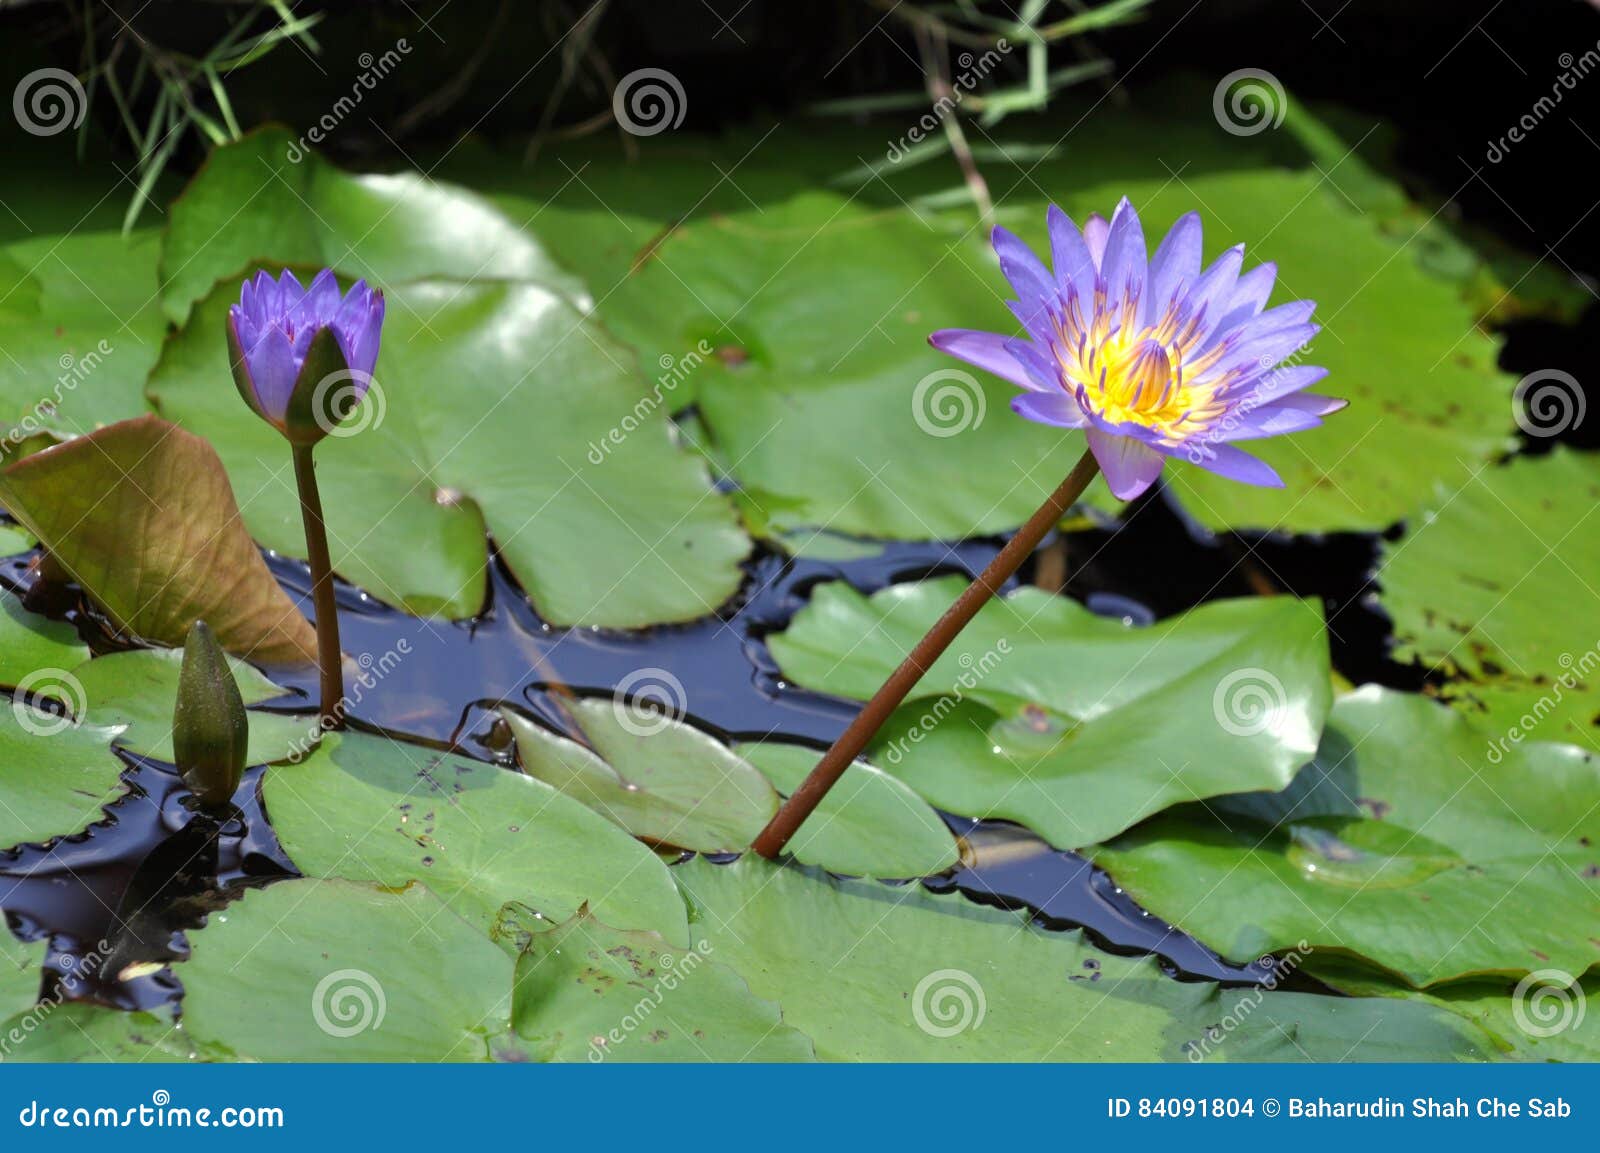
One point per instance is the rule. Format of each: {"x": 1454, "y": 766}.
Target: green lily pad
{"x": 1404, "y": 843}
{"x": 869, "y": 824}
{"x": 14, "y": 540}
{"x": 141, "y": 515}
{"x": 255, "y": 201}
{"x": 797, "y": 349}
{"x": 1483, "y": 615}
{"x": 55, "y": 775}
{"x": 1544, "y": 1017}
{"x": 878, "y": 973}
{"x": 639, "y": 538}
{"x": 344, "y": 972}
{"x": 76, "y": 1032}
{"x": 665, "y": 782}
{"x": 371, "y": 809}
{"x": 20, "y": 972}
{"x": 588, "y": 992}
{"x": 33, "y": 649}
{"x": 81, "y": 325}
{"x": 1072, "y": 724}
{"x": 797, "y": 346}
{"x": 138, "y": 689}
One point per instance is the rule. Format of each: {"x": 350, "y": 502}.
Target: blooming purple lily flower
{"x": 279, "y": 362}
{"x": 1151, "y": 357}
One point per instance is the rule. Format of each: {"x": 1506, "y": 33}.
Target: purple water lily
{"x": 1151, "y": 357}
{"x": 272, "y": 336}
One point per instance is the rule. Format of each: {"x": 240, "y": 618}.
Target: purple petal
{"x": 1031, "y": 281}
{"x": 985, "y": 350}
{"x": 320, "y": 303}
{"x": 1236, "y": 464}
{"x": 1122, "y": 266}
{"x": 1313, "y": 403}
{"x": 1095, "y": 234}
{"x": 1253, "y": 288}
{"x": 273, "y": 367}
{"x": 361, "y": 352}
{"x": 1215, "y": 288}
{"x": 1056, "y": 408}
{"x": 1175, "y": 265}
{"x": 1075, "y": 266}
{"x": 1269, "y": 420}
{"x": 1036, "y": 318}
{"x": 1277, "y": 384}
{"x": 1254, "y": 355}
{"x": 1130, "y": 466}
{"x": 290, "y": 294}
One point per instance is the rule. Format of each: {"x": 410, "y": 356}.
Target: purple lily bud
{"x": 303, "y": 357}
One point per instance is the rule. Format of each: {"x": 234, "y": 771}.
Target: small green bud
{"x": 210, "y": 729}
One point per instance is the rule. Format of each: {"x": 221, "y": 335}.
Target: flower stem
{"x": 322, "y": 599}
{"x": 837, "y": 759}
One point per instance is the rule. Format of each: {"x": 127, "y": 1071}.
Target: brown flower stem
{"x": 871, "y": 718}
{"x": 327, "y": 610}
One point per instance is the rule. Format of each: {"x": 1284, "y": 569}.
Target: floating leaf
{"x": 81, "y": 325}
{"x": 268, "y": 199}
{"x": 21, "y": 969}
{"x": 1544, "y": 1017}
{"x": 76, "y": 1032}
{"x": 869, "y": 824}
{"x": 141, "y": 515}
{"x": 588, "y": 992}
{"x": 665, "y": 782}
{"x": 1518, "y": 623}
{"x": 1404, "y": 842}
{"x": 878, "y": 973}
{"x": 636, "y": 539}
{"x": 344, "y": 972}
{"x": 55, "y": 775}
{"x": 30, "y": 643}
{"x": 371, "y": 809}
{"x": 138, "y": 689}
{"x": 1072, "y": 724}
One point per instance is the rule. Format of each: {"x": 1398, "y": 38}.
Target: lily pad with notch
{"x": 1069, "y": 723}
{"x": 1403, "y": 843}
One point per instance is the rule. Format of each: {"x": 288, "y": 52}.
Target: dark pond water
{"x": 153, "y": 869}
